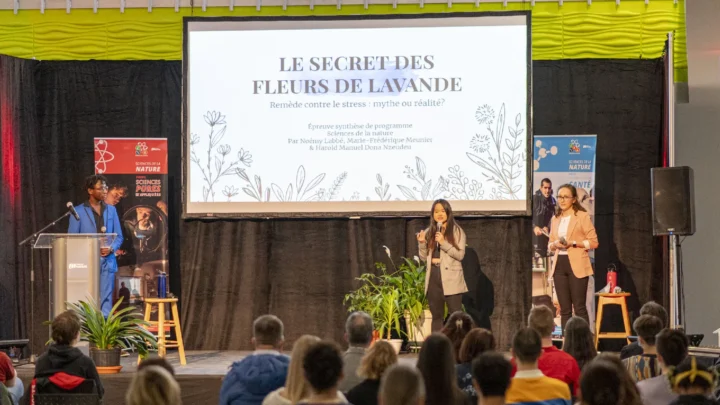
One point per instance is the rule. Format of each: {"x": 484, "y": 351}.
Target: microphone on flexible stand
{"x": 72, "y": 210}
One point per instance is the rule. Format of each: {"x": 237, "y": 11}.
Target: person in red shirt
{"x": 8, "y": 377}
{"x": 553, "y": 362}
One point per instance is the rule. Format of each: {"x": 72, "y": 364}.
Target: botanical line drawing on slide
{"x": 215, "y": 167}
{"x": 301, "y": 191}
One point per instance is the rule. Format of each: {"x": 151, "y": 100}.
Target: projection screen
{"x": 357, "y": 115}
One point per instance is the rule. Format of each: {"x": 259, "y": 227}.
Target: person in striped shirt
{"x": 530, "y": 385}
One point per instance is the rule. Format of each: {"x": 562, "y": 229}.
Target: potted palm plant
{"x": 122, "y": 329}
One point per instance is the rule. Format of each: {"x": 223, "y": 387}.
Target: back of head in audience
{"x": 491, "y": 374}
{"x": 476, "y": 342}
{"x": 578, "y": 341}
{"x": 456, "y": 328}
{"x": 377, "y": 359}
{"x": 691, "y": 378}
{"x": 527, "y": 347}
{"x": 323, "y": 367}
{"x": 600, "y": 384}
{"x": 65, "y": 328}
{"x": 402, "y": 385}
{"x": 541, "y": 320}
{"x": 628, "y": 389}
{"x": 436, "y": 363}
{"x": 359, "y": 329}
{"x": 655, "y": 309}
{"x": 296, "y": 386}
{"x": 647, "y": 327}
{"x": 672, "y": 347}
{"x": 268, "y": 332}
{"x": 153, "y": 385}
{"x": 156, "y": 361}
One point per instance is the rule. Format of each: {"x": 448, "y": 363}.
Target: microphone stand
{"x": 31, "y": 241}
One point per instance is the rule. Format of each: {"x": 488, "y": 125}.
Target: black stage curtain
{"x": 227, "y": 272}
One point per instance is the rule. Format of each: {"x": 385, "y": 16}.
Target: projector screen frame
{"x": 357, "y": 214}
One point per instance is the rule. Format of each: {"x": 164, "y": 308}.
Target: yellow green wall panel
{"x": 572, "y": 31}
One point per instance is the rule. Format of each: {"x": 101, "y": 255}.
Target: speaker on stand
{"x": 673, "y": 215}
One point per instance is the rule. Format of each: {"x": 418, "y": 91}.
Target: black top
{"x": 70, "y": 360}
{"x": 464, "y": 380}
{"x": 693, "y": 400}
{"x": 365, "y": 393}
{"x": 633, "y": 349}
{"x": 99, "y": 221}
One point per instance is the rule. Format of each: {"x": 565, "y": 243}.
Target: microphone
{"x": 72, "y": 210}
{"x": 439, "y": 229}
{"x": 103, "y": 229}
{"x": 563, "y": 240}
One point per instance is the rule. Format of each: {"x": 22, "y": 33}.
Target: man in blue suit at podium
{"x": 98, "y": 217}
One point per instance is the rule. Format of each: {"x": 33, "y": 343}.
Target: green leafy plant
{"x": 123, "y": 328}
{"x": 388, "y": 296}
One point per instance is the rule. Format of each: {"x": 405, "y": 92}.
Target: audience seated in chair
{"x": 553, "y": 363}
{"x": 251, "y": 379}
{"x": 644, "y": 366}
{"x": 8, "y": 379}
{"x": 693, "y": 382}
{"x": 153, "y": 385}
{"x": 578, "y": 341}
{"x": 491, "y": 378}
{"x": 378, "y": 358}
{"x": 436, "y": 363}
{"x": 323, "y": 370}
{"x": 628, "y": 389}
{"x": 358, "y": 334}
{"x": 529, "y": 385}
{"x": 601, "y": 384}
{"x": 672, "y": 349}
{"x": 402, "y": 385}
{"x": 476, "y": 342}
{"x": 157, "y": 361}
{"x": 64, "y": 365}
{"x": 650, "y": 308}
{"x": 458, "y": 325}
{"x": 296, "y": 385}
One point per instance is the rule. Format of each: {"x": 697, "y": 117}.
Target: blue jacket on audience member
{"x": 251, "y": 379}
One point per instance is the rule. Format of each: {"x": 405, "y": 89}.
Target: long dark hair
{"x": 576, "y": 205}
{"x": 458, "y": 325}
{"x": 436, "y": 363}
{"x": 449, "y": 225}
{"x": 579, "y": 341}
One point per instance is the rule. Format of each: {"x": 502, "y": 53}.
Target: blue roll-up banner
{"x": 558, "y": 160}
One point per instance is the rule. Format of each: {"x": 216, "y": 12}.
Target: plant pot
{"x": 396, "y": 344}
{"x": 422, "y": 328}
{"x": 105, "y": 358}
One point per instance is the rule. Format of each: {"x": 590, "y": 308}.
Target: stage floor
{"x": 200, "y": 379}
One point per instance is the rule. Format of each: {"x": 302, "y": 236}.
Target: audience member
{"x": 644, "y": 366}
{"x": 153, "y": 385}
{"x": 600, "y": 384}
{"x": 63, "y": 357}
{"x": 456, "y": 328}
{"x": 529, "y": 385}
{"x": 491, "y": 378}
{"x": 650, "y": 308}
{"x": 476, "y": 342}
{"x": 553, "y": 363}
{"x": 296, "y": 386}
{"x": 578, "y": 341}
{"x": 378, "y": 358}
{"x": 8, "y": 378}
{"x": 157, "y": 361}
{"x": 358, "y": 334}
{"x": 402, "y": 385}
{"x": 251, "y": 379}
{"x": 693, "y": 383}
{"x": 628, "y": 389}
{"x": 672, "y": 349}
{"x": 323, "y": 367}
{"x": 436, "y": 363}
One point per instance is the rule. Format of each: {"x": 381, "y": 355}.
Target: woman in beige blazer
{"x": 572, "y": 235}
{"x": 442, "y": 247}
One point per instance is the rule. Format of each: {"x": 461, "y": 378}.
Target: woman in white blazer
{"x": 442, "y": 247}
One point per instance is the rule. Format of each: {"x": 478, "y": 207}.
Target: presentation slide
{"x": 379, "y": 116}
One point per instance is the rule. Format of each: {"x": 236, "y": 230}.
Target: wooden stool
{"x": 612, "y": 299}
{"x": 161, "y": 323}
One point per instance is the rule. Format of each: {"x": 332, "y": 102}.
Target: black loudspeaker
{"x": 673, "y": 201}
